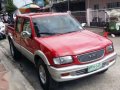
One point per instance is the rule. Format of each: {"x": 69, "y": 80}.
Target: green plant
{"x": 10, "y": 7}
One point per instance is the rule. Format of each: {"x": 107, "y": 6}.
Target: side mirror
{"x": 25, "y": 34}
{"x": 83, "y": 24}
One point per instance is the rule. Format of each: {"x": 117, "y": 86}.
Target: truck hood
{"x": 74, "y": 43}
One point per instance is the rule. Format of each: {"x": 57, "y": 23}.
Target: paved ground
{"x": 108, "y": 81}
{"x": 10, "y": 76}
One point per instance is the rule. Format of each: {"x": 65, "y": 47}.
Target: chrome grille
{"x": 91, "y": 56}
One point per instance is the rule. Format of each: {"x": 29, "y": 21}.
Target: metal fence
{"x": 93, "y": 17}
{"x": 96, "y": 17}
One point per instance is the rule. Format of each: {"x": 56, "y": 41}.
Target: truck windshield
{"x": 56, "y": 24}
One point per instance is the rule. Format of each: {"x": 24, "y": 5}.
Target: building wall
{"x": 102, "y": 3}
{"x": 96, "y": 16}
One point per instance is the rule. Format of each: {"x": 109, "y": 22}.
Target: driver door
{"x": 27, "y": 44}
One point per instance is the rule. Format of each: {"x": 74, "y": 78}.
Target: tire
{"x": 45, "y": 78}
{"x": 14, "y": 52}
{"x": 103, "y": 71}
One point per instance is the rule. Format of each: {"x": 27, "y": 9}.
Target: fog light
{"x": 79, "y": 72}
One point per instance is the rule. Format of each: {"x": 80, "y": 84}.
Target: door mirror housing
{"x": 83, "y": 24}
{"x": 26, "y": 34}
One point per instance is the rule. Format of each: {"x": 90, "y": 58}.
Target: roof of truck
{"x": 34, "y": 15}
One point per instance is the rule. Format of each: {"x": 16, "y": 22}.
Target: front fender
{"x": 43, "y": 56}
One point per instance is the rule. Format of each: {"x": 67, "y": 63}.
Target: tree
{"x": 10, "y": 7}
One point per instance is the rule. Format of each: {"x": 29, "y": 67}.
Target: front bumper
{"x": 56, "y": 73}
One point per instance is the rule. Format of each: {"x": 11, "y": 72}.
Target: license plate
{"x": 94, "y": 67}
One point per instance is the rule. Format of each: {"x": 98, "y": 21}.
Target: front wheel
{"x": 45, "y": 78}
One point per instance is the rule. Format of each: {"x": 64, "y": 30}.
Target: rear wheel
{"x": 45, "y": 78}
{"x": 14, "y": 52}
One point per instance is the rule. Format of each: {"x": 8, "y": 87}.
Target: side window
{"x": 18, "y": 24}
{"x": 26, "y": 26}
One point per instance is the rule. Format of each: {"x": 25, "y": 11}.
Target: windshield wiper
{"x": 47, "y": 33}
{"x": 71, "y": 31}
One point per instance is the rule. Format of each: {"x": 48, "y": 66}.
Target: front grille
{"x": 91, "y": 56}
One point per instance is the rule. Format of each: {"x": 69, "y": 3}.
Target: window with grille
{"x": 113, "y": 5}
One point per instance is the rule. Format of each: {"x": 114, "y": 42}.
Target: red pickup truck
{"x": 60, "y": 47}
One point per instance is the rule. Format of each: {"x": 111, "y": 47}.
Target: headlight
{"x": 109, "y": 49}
{"x": 63, "y": 60}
